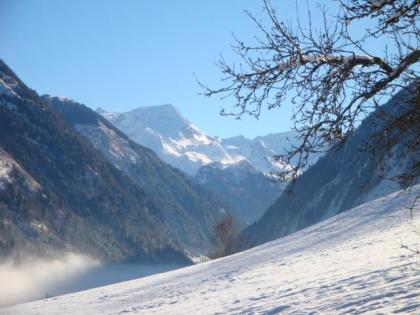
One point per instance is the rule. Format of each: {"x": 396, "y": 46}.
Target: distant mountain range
{"x": 237, "y": 169}
{"x": 183, "y": 145}
{"x": 70, "y": 181}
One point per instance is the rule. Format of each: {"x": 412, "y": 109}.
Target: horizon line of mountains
{"x": 149, "y": 186}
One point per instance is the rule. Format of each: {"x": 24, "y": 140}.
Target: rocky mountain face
{"x": 59, "y": 193}
{"x": 189, "y": 211}
{"x": 340, "y": 180}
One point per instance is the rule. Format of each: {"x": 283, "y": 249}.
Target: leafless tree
{"x": 225, "y": 232}
{"x": 328, "y": 75}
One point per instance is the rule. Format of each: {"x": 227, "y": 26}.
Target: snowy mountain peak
{"x": 163, "y": 118}
{"x": 158, "y": 110}
{"x": 167, "y": 111}
{"x": 100, "y": 110}
{"x": 178, "y": 142}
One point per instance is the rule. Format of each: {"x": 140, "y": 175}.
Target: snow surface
{"x": 349, "y": 264}
{"x": 180, "y": 143}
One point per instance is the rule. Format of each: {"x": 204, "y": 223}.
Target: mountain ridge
{"x": 180, "y": 143}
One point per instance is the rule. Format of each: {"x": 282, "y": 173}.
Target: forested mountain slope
{"x": 58, "y": 193}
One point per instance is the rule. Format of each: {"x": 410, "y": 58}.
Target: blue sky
{"x": 120, "y": 55}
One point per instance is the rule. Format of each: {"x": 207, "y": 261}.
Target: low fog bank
{"x": 37, "y": 278}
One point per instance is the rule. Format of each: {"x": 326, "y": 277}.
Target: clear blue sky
{"x": 120, "y": 55}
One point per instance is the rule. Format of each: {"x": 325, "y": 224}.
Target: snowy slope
{"x": 350, "y": 263}
{"x": 181, "y": 144}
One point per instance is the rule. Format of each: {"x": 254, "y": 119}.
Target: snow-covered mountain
{"x": 235, "y": 168}
{"x": 181, "y": 144}
{"x": 352, "y": 263}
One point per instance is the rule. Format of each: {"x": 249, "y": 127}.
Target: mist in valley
{"x": 39, "y": 278}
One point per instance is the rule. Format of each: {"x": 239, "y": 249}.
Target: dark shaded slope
{"x": 58, "y": 193}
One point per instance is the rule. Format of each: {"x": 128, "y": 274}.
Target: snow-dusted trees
{"x": 334, "y": 71}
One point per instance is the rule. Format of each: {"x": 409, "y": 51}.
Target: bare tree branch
{"x": 328, "y": 77}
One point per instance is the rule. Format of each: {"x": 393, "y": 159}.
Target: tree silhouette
{"x": 330, "y": 78}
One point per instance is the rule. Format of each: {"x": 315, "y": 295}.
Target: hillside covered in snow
{"x": 351, "y": 263}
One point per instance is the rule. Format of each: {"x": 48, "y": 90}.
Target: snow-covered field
{"x": 350, "y": 264}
